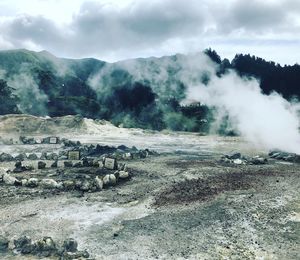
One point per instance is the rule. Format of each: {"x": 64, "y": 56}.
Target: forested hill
{"x": 137, "y": 93}
{"x": 273, "y": 77}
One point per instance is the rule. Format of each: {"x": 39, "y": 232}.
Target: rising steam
{"x": 267, "y": 120}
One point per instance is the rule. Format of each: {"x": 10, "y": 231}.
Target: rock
{"x": 75, "y": 255}
{"x": 127, "y": 156}
{"x": 20, "y": 157}
{"x": 234, "y": 156}
{"x": 52, "y": 156}
{"x": 43, "y": 156}
{"x": 18, "y": 164}
{"x": 32, "y": 157}
{"x": 24, "y": 245}
{"x": 54, "y": 164}
{"x": 45, "y": 247}
{"x": 49, "y": 184}
{"x": 110, "y": 163}
{"x": 123, "y": 175}
{"x": 24, "y": 182}
{"x": 27, "y": 140}
{"x": 5, "y": 157}
{"x": 68, "y": 164}
{"x": 41, "y": 165}
{"x": 3, "y": 244}
{"x": 98, "y": 183}
{"x": 106, "y": 180}
{"x": 70, "y": 245}
{"x": 9, "y": 180}
{"x": 112, "y": 179}
{"x": 69, "y": 185}
{"x": 78, "y": 165}
{"x": 96, "y": 164}
{"x": 257, "y": 160}
{"x": 238, "y": 161}
{"x": 32, "y": 182}
{"x": 85, "y": 185}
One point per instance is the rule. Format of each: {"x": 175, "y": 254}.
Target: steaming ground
{"x": 183, "y": 204}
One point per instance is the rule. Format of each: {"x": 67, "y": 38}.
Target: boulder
{"x": 24, "y": 245}
{"x": 20, "y": 157}
{"x": 27, "y": 140}
{"x": 24, "y": 182}
{"x": 43, "y": 156}
{"x": 45, "y": 247}
{"x": 68, "y": 164}
{"x": 5, "y": 157}
{"x": 234, "y": 156}
{"x": 49, "y": 184}
{"x": 9, "y": 180}
{"x": 52, "y": 156}
{"x": 70, "y": 245}
{"x": 54, "y": 164}
{"x": 3, "y": 244}
{"x": 41, "y": 165}
{"x": 32, "y": 157}
{"x": 123, "y": 175}
{"x": 257, "y": 160}
{"x": 32, "y": 182}
{"x": 98, "y": 183}
{"x": 85, "y": 185}
{"x": 238, "y": 161}
{"x": 69, "y": 185}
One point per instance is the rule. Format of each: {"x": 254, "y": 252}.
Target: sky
{"x": 113, "y": 30}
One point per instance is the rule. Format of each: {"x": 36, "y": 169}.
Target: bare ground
{"x": 176, "y": 206}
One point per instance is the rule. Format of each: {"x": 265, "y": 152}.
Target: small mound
{"x": 27, "y": 124}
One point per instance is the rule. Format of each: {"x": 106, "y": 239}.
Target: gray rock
{"x": 32, "y": 182}
{"x": 85, "y": 186}
{"x": 5, "y": 157}
{"x": 68, "y": 164}
{"x": 3, "y": 244}
{"x": 98, "y": 183}
{"x": 43, "y": 156}
{"x": 234, "y": 156}
{"x": 32, "y": 157}
{"x": 49, "y": 184}
{"x": 70, "y": 245}
{"x": 41, "y": 165}
{"x": 24, "y": 245}
{"x": 54, "y": 164}
{"x": 123, "y": 175}
{"x": 20, "y": 157}
{"x": 9, "y": 180}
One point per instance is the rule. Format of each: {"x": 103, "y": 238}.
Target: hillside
{"x": 145, "y": 93}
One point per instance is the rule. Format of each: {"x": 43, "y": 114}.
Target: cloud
{"x": 112, "y": 30}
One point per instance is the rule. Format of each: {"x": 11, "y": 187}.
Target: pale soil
{"x": 184, "y": 204}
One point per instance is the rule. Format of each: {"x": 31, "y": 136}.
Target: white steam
{"x": 267, "y": 120}
{"x": 32, "y": 100}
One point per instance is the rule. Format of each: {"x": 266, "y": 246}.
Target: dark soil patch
{"x": 204, "y": 189}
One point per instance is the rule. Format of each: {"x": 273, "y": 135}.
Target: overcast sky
{"x": 119, "y": 29}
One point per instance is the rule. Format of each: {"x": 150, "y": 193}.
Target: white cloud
{"x": 113, "y": 30}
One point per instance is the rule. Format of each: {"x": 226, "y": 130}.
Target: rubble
{"x": 289, "y": 157}
{"x": 45, "y": 247}
{"x": 238, "y": 159}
